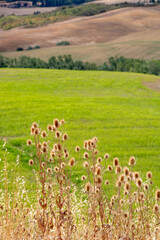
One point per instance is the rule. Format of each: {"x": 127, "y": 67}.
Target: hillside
{"x": 119, "y": 108}
{"x": 131, "y": 32}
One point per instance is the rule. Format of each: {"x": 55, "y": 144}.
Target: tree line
{"x": 120, "y": 64}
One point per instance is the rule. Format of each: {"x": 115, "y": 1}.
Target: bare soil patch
{"x": 153, "y": 85}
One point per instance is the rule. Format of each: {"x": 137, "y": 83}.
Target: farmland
{"x": 121, "y": 109}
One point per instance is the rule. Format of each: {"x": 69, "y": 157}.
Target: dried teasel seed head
{"x": 35, "y": 125}
{"x": 32, "y": 130}
{"x": 99, "y": 159}
{"x": 52, "y": 153}
{"x": 118, "y": 184}
{"x": 139, "y": 182}
{"x": 95, "y": 139}
{"x": 118, "y": 169}
{"x": 97, "y": 190}
{"x": 49, "y": 170}
{"x": 88, "y": 187}
{"x": 149, "y": 175}
{"x": 44, "y": 144}
{"x": 43, "y": 164}
{"x": 83, "y": 178}
{"x": 115, "y": 161}
{"x": 63, "y": 165}
{"x": 49, "y": 127}
{"x": 92, "y": 168}
{"x": 71, "y": 162}
{"x": 136, "y": 175}
{"x": 77, "y": 148}
{"x": 95, "y": 151}
{"x": 125, "y": 215}
{"x": 122, "y": 201}
{"x": 121, "y": 178}
{"x": 65, "y": 136}
{"x": 132, "y": 161}
{"x": 39, "y": 145}
{"x": 59, "y": 147}
{"x": 36, "y": 131}
{"x": 126, "y": 171}
{"x": 57, "y": 134}
{"x": 54, "y": 128}
{"x": 109, "y": 168}
{"x": 106, "y": 156}
{"x": 44, "y": 149}
{"x": 157, "y": 194}
{"x": 56, "y": 169}
{"x": 85, "y": 155}
{"x": 31, "y": 162}
{"x": 65, "y": 150}
{"x": 99, "y": 179}
{"x": 62, "y": 121}
{"x": 98, "y": 171}
{"x": 150, "y": 182}
{"x": 125, "y": 193}
{"x": 85, "y": 164}
{"x": 29, "y": 142}
{"x": 127, "y": 186}
{"x": 43, "y": 134}
{"x": 56, "y": 123}
{"x": 107, "y": 182}
{"x": 66, "y": 155}
{"x": 156, "y": 208}
{"x": 146, "y": 186}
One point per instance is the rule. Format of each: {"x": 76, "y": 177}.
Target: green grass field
{"x": 115, "y": 107}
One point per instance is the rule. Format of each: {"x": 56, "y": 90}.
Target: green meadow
{"x": 115, "y": 107}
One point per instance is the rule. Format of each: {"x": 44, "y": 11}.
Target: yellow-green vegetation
{"x": 115, "y": 107}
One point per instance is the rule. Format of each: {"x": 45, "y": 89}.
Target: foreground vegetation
{"x": 60, "y": 14}
{"x": 119, "y": 64}
{"x": 60, "y": 211}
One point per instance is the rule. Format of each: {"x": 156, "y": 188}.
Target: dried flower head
{"x": 109, "y": 168}
{"x": 31, "y": 162}
{"x": 59, "y": 147}
{"x": 107, "y": 182}
{"x": 136, "y": 175}
{"x": 83, "y": 178}
{"x": 98, "y": 171}
{"x": 44, "y": 144}
{"x": 56, "y": 169}
{"x": 29, "y": 142}
{"x": 52, "y": 153}
{"x": 66, "y": 155}
{"x": 85, "y": 155}
{"x": 99, "y": 159}
{"x": 99, "y": 179}
{"x": 49, "y": 170}
{"x": 35, "y": 125}
{"x": 62, "y": 121}
{"x": 43, "y": 164}
{"x": 71, "y": 162}
{"x": 88, "y": 187}
{"x": 126, "y": 171}
{"x": 158, "y": 194}
{"x": 39, "y": 145}
{"x": 146, "y": 186}
{"x": 77, "y": 148}
{"x": 149, "y": 175}
{"x": 127, "y": 186}
{"x": 57, "y": 134}
{"x": 85, "y": 144}
{"x": 118, "y": 184}
{"x": 139, "y": 182}
{"x": 115, "y": 162}
{"x": 85, "y": 164}
{"x": 106, "y": 156}
{"x": 36, "y": 131}
{"x": 43, "y": 134}
{"x": 132, "y": 161}
{"x": 56, "y": 123}
{"x": 65, "y": 136}
{"x": 63, "y": 165}
{"x": 44, "y": 150}
{"x": 156, "y": 208}
{"x": 122, "y": 201}
{"x": 49, "y": 127}
{"x": 95, "y": 151}
{"x": 118, "y": 169}
{"x": 55, "y": 147}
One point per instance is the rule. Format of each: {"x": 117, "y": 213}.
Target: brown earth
{"x": 118, "y": 25}
{"x": 153, "y": 85}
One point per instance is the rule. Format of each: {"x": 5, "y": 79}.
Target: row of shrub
{"x": 120, "y": 64}
{"x": 29, "y": 48}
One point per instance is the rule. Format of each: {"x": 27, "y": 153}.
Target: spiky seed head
{"x": 56, "y": 169}
{"x": 86, "y": 164}
{"x": 65, "y": 136}
{"x": 99, "y": 179}
{"x": 77, "y": 148}
{"x": 36, "y": 131}
{"x": 62, "y": 121}
{"x": 149, "y": 175}
{"x": 109, "y": 168}
{"x": 126, "y": 171}
{"x": 88, "y": 187}
{"x": 49, "y": 170}
{"x": 125, "y": 215}
{"x": 57, "y": 134}
{"x": 85, "y": 144}
{"x": 39, "y": 145}
{"x": 158, "y": 194}
{"x": 132, "y": 161}
{"x": 66, "y": 155}
{"x": 118, "y": 184}
{"x": 122, "y": 201}
{"x": 92, "y": 168}
{"x": 118, "y": 169}
{"x": 31, "y": 162}
{"x": 99, "y": 159}
{"x": 156, "y": 208}
{"x": 32, "y": 130}
{"x": 95, "y": 139}
{"x": 107, "y": 182}
{"x": 65, "y": 150}
{"x": 125, "y": 193}
{"x": 43, "y": 134}
{"x": 71, "y": 162}
{"x": 63, "y": 165}
{"x": 95, "y": 151}
{"x": 83, "y": 178}
{"x": 59, "y": 147}
{"x": 85, "y": 155}
{"x": 136, "y": 175}
{"x": 35, "y": 125}
{"x": 139, "y": 182}
{"x": 56, "y": 123}
{"x": 146, "y": 186}
{"x": 42, "y": 164}
{"x": 55, "y": 147}
{"x": 52, "y": 153}
{"x": 98, "y": 171}
{"x": 44, "y": 144}
{"x": 121, "y": 178}
{"x": 54, "y": 128}
{"x": 44, "y": 149}
{"x": 115, "y": 161}
{"x": 150, "y": 182}
{"x": 127, "y": 186}
{"x": 106, "y": 156}
{"x": 49, "y": 127}
{"x": 29, "y": 142}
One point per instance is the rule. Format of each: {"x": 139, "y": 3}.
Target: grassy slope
{"x": 98, "y": 53}
{"x": 115, "y": 107}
